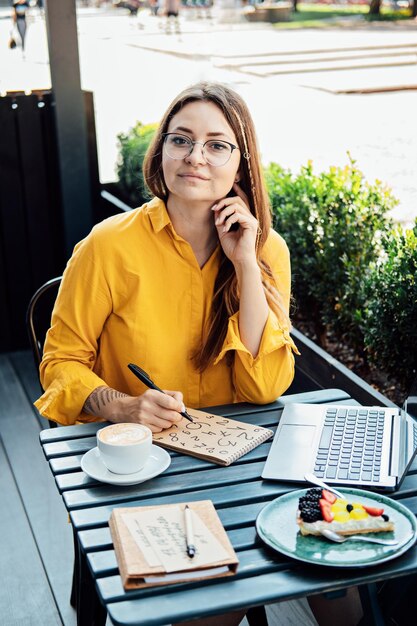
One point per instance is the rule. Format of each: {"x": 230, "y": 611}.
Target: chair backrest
{"x": 38, "y": 319}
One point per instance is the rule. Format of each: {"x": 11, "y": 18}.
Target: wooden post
{"x": 70, "y": 120}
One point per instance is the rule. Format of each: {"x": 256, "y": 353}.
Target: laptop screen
{"x": 410, "y": 403}
{"x": 409, "y": 427}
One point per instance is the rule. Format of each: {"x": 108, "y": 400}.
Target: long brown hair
{"x": 226, "y": 290}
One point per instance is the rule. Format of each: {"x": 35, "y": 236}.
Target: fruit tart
{"x": 319, "y": 509}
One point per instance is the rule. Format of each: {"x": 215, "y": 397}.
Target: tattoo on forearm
{"x": 99, "y": 398}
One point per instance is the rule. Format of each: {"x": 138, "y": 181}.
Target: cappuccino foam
{"x": 123, "y": 434}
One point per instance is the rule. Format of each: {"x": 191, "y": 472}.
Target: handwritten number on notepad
{"x": 213, "y": 437}
{"x": 195, "y": 425}
{"x": 223, "y": 441}
{"x": 245, "y": 436}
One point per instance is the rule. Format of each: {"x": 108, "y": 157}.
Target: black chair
{"x": 38, "y": 320}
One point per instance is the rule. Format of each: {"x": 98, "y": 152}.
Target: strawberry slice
{"x": 327, "y": 495}
{"x": 373, "y": 510}
{"x": 326, "y": 510}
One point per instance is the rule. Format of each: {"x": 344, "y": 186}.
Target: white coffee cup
{"x": 124, "y": 448}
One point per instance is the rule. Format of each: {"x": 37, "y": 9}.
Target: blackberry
{"x": 311, "y": 497}
{"x": 310, "y": 515}
{"x": 309, "y": 505}
{"x": 385, "y": 517}
{"x": 308, "y": 501}
{"x": 314, "y": 494}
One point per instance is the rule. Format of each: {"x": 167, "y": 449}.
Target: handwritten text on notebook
{"x": 160, "y": 535}
{"x": 212, "y": 436}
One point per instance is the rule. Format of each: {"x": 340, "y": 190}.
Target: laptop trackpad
{"x": 290, "y": 454}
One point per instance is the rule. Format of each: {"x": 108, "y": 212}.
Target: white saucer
{"x": 94, "y": 467}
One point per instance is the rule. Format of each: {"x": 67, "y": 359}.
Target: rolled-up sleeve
{"x": 263, "y": 378}
{"x": 70, "y": 352}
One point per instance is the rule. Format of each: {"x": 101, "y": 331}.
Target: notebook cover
{"x": 212, "y": 437}
{"x": 133, "y": 566}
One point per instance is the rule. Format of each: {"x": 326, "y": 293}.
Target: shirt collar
{"x": 158, "y": 214}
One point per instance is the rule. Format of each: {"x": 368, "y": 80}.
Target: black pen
{"x": 143, "y": 376}
{"x": 189, "y": 532}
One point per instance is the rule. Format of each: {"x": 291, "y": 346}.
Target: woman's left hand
{"x": 238, "y": 245}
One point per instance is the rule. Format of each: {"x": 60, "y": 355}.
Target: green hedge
{"x": 332, "y": 223}
{"x": 389, "y": 316}
{"x": 132, "y": 149}
{"x": 353, "y": 272}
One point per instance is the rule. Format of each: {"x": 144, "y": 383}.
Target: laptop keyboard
{"x": 351, "y": 444}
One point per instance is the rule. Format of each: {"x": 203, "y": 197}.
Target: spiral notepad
{"x": 212, "y": 437}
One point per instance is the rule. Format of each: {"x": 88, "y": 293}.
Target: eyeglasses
{"x": 215, "y": 151}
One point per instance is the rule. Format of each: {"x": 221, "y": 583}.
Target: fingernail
{"x": 214, "y": 207}
{"x": 183, "y": 407}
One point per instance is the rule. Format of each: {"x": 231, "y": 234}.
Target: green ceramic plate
{"x": 277, "y": 527}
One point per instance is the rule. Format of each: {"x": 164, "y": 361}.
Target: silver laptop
{"x": 371, "y": 447}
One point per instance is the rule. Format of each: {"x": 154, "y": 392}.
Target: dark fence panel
{"x": 31, "y": 225}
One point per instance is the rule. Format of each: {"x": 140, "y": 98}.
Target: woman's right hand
{"x": 154, "y": 409}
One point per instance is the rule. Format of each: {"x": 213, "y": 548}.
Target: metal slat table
{"x": 238, "y": 493}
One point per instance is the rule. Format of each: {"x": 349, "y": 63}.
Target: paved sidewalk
{"x": 293, "y": 81}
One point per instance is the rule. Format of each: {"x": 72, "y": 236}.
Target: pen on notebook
{"x": 189, "y": 533}
{"x": 143, "y": 376}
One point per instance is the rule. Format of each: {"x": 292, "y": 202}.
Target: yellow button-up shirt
{"x": 133, "y": 291}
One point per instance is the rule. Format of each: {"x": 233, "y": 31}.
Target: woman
{"x": 172, "y": 9}
{"x": 19, "y": 18}
{"x": 194, "y": 286}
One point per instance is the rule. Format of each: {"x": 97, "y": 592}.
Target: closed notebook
{"x": 150, "y": 545}
{"x": 212, "y": 437}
